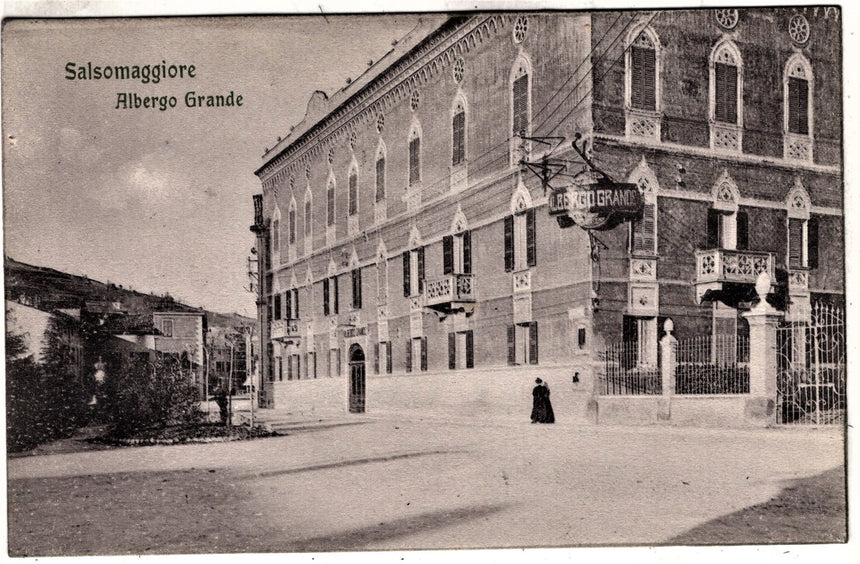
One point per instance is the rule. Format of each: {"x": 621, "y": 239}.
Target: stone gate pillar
{"x": 763, "y": 320}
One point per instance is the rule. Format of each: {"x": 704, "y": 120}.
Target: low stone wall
{"x": 685, "y": 410}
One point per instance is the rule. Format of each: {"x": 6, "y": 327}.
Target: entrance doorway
{"x": 356, "y": 379}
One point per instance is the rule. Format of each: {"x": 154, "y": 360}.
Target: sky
{"x": 160, "y": 201}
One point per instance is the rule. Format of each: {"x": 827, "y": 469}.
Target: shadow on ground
{"x": 807, "y": 510}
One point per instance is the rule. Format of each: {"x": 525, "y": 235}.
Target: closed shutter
{"x": 326, "y": 306}
{"x": 812, "y": 240}
{"x": 278, "y": 306}
{"x": 376, "y": 358}
{"x": 298, "y": 360}
{"x": 288, "y": 305}
{"x": 414, "y": 164}
{"x": 408, "y": 355}
{"x": 713, "y": 229}
{"x": 276, "y": 235}
{"x": 726, "y": 94}
{"x": 531, "y": 244}
{"x": 533, "y": 342}
{"x": 330, "y": 205}
{"x": 358, "y": 288}
{"x": 353, "y": 194}
{"x": 509, "y": 243}
{"x": 336, "y": 295}
{"x": 795, "y": 242}
{"x": 420, "y": 270}
{"x": 643, "y": 93}
{"x": 643, "y": 231}
{"x": 447, "y": 254}
{"x": 459, "y": 133}
{"x": 388, "y": 360}
{"x": 452, "y": 351}
{"x": 407, "y": 277}
{"x": 521, "y": 101}
{"x": 423, "y": 353}
{"x": 470, "y": 349}
{"x": 380, "y": 179}
{"x": 512, "y": 351}
{"x": 467, "y": 252}
{"x": 798, "y": 106}
{"x": 743, "y": 230}
{"x": 296, "y": 303}
{"x": 308, "y": 217}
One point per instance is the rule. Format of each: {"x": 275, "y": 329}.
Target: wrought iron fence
{"x": 811, "y": 369}
{"x": 713, "y": 365}
{"x": 625, "y": 374}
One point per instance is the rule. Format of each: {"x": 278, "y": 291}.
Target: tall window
{"x": 413, "y": 272}
{"x": 356, "y": 288}
{"x": 726, "y": 84}
{"x": 802, "y": 232}
{"x": 416, "y": 354}
{"x": 458, "y": 132}
{"x": 380, "y": 176}
{"x": 292, "y": 220}
{"x": 291, "y": 304}
{"x": 457, "y": 253}
{"x": 330, "y": 203}
{"x": 167, "y": 327}
{"x": 728, "y": 230}
{"x": 414, "y": 157}
{"x": 643, "y": 232}
{"x": 642, "y": 71}
{"x": 353, "y": 192}
{"x": 523, "y": 343}
{"x": 383, "y": 357}
{"x": 276, "y": 235}
{"x": 461, "y": 350}
{"x": 520, "y": 101}
{"x": 331, "y": 305}
{"x": 798, "y": 107}
{"x": 520, "y": 241}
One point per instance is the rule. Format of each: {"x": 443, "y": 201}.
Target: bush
{"x": 140, "y": 394}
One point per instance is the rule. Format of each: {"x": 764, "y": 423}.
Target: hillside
{"x": 48, "y": 289}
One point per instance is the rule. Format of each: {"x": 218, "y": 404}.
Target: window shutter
{"x": 713, "y": 229}
{"x": 512, "y": 351}
{"x": 726, "y": 94}
{"x": 533, "y": 342}
{"x": 376, "y": 358}
{"x": 467, "y": 252}
{"x": 812, "y": 241}
{"x": 459, "y": 133}
{"x": 447, "y": 254}
{"x": 643, "y": 231}
{"x": 420, "y": 270}
{"x": 330, "y": 205}
{"x": 407, "y": 279}
{"x": 470, "y": 349}
{"x": 298, "y": 361}
{"x": 380, "y": 179}
{"x": 352, "y": 276}
{"x": 296, "y": 303}
{"x": 292, "y": 226}
{"x": 643, "y": 85}
{"x": 408, "y": 355}
{"x": 388, "y": 360}
{"x": 336, "y": 296}
{"x": 743, "y": 230}
{"x": 531, "y": 246}
{"x": 452, "y": 351}
{"x": 326, "y": 308}
{"x": 276, "y": 235}
{"x": 414, "y": 154}
{"x": 353, "y": 194}
{"x": 520, "y": 101}
{"x": 798, "y": 106}
{"x": 277, "y": 302}
{"x": 308, "y": 217}
{"x": 288, "y": 305}
{"x": 795, "y": 242}
{"x": 423, "y": 354}
{"x": 509, "y": 243}
{"x": 358, "y": 287}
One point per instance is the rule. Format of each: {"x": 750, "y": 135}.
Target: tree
{"x": 24, "y": 428}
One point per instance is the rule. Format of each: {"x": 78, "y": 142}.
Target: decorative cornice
{"x": 419, "y": 66}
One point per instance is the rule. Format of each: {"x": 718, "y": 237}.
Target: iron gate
{"x": 810, "y": 386}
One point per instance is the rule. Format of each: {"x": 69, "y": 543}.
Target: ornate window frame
{"x": 519, "y": 149}
{"x": 798, "y": 146}
{"x": 308, "y": 219}
{"x": 798, "y": 206}
{"x": 331, "y": 209}
{"x": 458, "y": 171}
{"x": 380, "y": 207}
{"x": 352, "y": 205}
{"x": 292, "y": 232}
{"x": 726, "y": 199}
{"x": 643, "y": 123}
{"x": 726, "y": 137}
{"x": 275, "y": 234}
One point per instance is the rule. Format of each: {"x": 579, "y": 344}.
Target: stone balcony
{"x": 285, "y": 330}
{"x": 452, "y": 293}
{"x": 730, "y": 275}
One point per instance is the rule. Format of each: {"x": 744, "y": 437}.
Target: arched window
{"x": 521, "y": 111}
{"x": 797, "y": 88}
{"x": 380, "y": 172}
{"x": 292, "y": 222}
{"x": 642, "y": 84}
{"x": 520, "y": 233}
{"x": 458, "y": 133}
{"x": 276, "y": 236}
{"x": 802, "y": 230}
{"x": 308, "y": 213}
{"x": 353, "y": 190}
{"x": 415, "y": 155}
{"x": 726, "y": 96}
{"x": 728, "y": 225}
{"x": 330, "y": 202}
{"x": 643, "y": 232}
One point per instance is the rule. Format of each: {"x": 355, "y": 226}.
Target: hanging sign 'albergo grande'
{"x": 596, "y": 203}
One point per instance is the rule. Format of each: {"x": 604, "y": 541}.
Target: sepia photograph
{"x": 554, "y": 282}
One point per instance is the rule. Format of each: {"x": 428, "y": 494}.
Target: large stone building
{"x": 408, "y": 257}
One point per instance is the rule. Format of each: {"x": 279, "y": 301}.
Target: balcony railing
{"x": 451, "y": 288}
{"x": 721, "y": 265}
{"x": 284, "y": 329}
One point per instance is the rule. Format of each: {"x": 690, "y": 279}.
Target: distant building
{"x": 408, "y": 254}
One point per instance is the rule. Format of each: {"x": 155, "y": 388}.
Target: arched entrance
{"x": 356, "y": 379}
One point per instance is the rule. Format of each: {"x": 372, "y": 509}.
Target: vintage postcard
{"x": 378, "y": 282}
